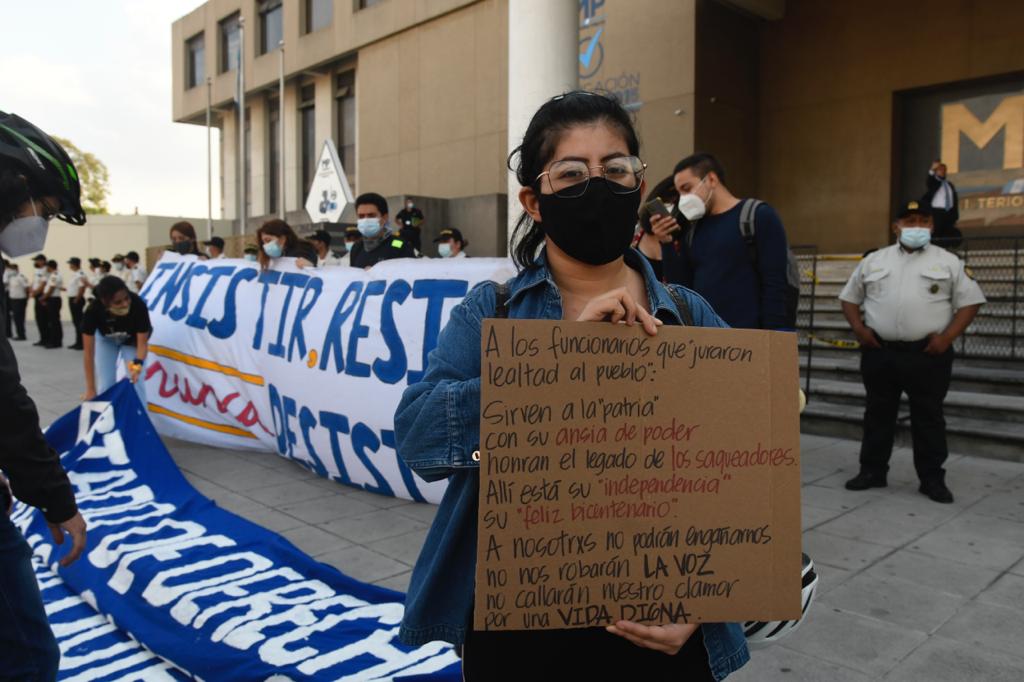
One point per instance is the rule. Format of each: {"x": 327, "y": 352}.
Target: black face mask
{"x": 595, "y": 228}
{"x": 184, "y": 247}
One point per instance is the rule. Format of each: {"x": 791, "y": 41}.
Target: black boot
{"x": 865, "y": 480}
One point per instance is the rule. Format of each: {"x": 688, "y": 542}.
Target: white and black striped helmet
{"x": 762, "y": 633}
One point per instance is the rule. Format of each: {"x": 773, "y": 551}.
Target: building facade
{"x": 824, "y": 109}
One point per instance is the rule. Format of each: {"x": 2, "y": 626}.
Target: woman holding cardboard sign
{"x": 582, "y": 181}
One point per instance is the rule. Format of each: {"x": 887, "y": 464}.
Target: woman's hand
{"x": 668, "y": 639}
{"x": 134, "y": 370}
{"x": 302, "y": 263}
{"x": 618, "y": 305}
{"x": 662, "y": 227}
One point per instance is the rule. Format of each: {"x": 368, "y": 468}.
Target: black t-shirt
{"x": 391, "y": 247}
{"x": 120, "y": 329}
{"x": 407, "y": 218}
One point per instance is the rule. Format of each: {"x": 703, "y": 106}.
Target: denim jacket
{"x": 437, "y": 425}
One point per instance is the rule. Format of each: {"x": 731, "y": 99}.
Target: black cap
{"x": 251, "y": 249}
{"x": 215, "y": 241}
{"x": 117, "y": 258}
{"x": 51, "y": 264}
{"x": 95, "y": 262}
{"x": 133, "y": 255}
{"x": 322, "y": 236}
{"x": 74, "y": 260}
{"x": 105, "y": 263}
{"x": 39, "y": 257}
{"x": 913, "y": 208}
{"x": 353, "y": 231}
{"x": 449, "y": 233}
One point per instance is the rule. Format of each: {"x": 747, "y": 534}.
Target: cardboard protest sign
{"x": 624, "y": 476}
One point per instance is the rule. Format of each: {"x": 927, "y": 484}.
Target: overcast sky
{"x": 99, "y": 74}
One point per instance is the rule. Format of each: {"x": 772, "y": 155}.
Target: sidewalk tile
{"x": 363, "y": 564}
{"x": 895, "y": 601}
{"x": 271, "y": 519}
{"x": 815, "y": 516}
{"x": 780, "y": 664}
{"x": 424, "y": 513}
{"x": 314, "y": 541}
{"x": 830, "y": 498}
{"x": 405, "y": 548}
{"x": 939, "y": 575}
{"x": 373, "y": 526}
{"x": 941, "y": 659}
{"x": 399, "y": 583}
{"x": 996, "y": 628}
{"x": 968, "y": 548}
{"x": 326, "y": 509}
{"x": 834, "y": 550}
{"x": 290, "y": 493}
{"x": 1007, "y": 591}
{"x": 870, "y": 646}
{"x": 871, "y": 524}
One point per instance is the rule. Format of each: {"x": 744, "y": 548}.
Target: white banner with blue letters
{"x": 171, "y": 587}
{"x": 310, "y": 363}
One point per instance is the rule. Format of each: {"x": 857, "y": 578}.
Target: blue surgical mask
{"x": 250, "y": 256}
{"x": 444, "y": 250}
{"x": 915, "y": 237}
{"x": 369, "y": 227}
{"x": 272, "y": 249}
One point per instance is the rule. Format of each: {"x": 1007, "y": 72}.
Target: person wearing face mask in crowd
{"x": 115, "y": 327}
{"x": 183, "y": 239}
{"x": 451, "y": 244}
{"x": 77, "y": 287}
{"x": 278, "y": 240}
{"x": 917, "y": 299}
{"x": 410, "y": 224}
{"x": 214, "y": 248}
{"x": 251, "y": 253}
{"x": 52, "y": 300}
{"x": 119, "y": 270}
{"x": 38, "y": 182}
{"x": 94, "y": 276}
{"x": 651, "y": 242}
{"x": 745, "y": 283}
{"x": 321, "y": 241}
{"x": 352, "y": 237}
{"x": 105, "y": 269}
{"x": 39, "y": 277}
{"x": 17, "y": 296}
{"x": 581, "y": 182}
{"x": 136, "y": 273}
{"x": 378, "y": 242}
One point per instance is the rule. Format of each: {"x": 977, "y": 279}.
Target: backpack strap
{"x": 747, "y": 228}
{"x": 681, "y": 306}
{"x": 501, "y": 295}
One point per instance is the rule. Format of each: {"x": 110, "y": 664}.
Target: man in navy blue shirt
{"x": 746, "y": 285}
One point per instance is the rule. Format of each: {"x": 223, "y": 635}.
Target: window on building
{"x": 229, "y": 42}
{"x": 271, "y": 24}
{"x": 307, "y": 132}
{"x": 273, "y": 154}
{"x": 345, "y": 106}
{"x": 363, "y": 4}
{"x": 195, "y": 55}
{"x": 318, "y": 14}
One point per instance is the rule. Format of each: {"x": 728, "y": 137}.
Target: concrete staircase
{"x": 985, "y": 405}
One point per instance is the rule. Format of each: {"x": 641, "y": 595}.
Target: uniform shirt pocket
{"x": 936, "y": 284}
{"x": 876, "y": 283}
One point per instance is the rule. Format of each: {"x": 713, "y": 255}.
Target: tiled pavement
{"x": 910, "y": 589}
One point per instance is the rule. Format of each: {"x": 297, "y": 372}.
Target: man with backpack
{"x": 731, "y": 251}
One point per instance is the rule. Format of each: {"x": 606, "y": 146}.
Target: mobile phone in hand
{"x": 655, "y": 207}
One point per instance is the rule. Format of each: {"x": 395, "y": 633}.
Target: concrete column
{"x": 543, "y": 53}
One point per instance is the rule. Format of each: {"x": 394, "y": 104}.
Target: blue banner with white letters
{"x": 172, "y": 587}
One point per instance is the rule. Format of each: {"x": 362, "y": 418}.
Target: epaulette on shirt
{"x": 397, "y": 243}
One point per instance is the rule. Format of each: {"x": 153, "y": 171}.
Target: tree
{"x": 92, "y": 176}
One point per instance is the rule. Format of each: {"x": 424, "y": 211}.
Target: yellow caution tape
{"x": 838, "y": 343}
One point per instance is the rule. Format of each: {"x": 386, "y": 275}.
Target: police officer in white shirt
{"x": 917, "y": 299}
{"x": 214, "y": 248}
{"x": 450, "y": 243}
{"x": 93, "y": 277}
{"x": 17, "y": 292}
{"x": 136, "y": 272}
{"x": 39, "y": 278}
{"x": 77, "y": 286}
{"x": 52, "y": 305}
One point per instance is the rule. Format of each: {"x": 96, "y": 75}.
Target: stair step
{"x": 967, "y": 436}
{"x": 1001, "y": 380}
{"x": 958, "y": 403}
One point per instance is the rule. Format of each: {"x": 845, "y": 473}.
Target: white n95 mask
{"x": 24, "y": 235}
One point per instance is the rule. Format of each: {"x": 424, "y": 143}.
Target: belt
{"x": 907, "y": 346}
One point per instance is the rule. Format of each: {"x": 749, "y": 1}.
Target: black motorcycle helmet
{"x": 28, "y": 151}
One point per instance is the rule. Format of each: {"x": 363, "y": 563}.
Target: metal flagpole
{"x": 241, "y": 125}
{"x": 209, "y": 162}
{"x": 280, "y": 135}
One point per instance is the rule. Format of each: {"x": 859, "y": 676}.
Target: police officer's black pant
{"x": 9, "y": 322}
{"x": 77, "y": 309}
{"x": 54, "y": 329}
{"x": 889, "y": 372}
{"x": 18, "y": 306}
{"x": 39, "y": 308}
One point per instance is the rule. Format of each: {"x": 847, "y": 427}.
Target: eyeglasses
{"x": 570, "y": 179}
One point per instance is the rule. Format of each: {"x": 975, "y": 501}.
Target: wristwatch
{"x": 137, "y": 362}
